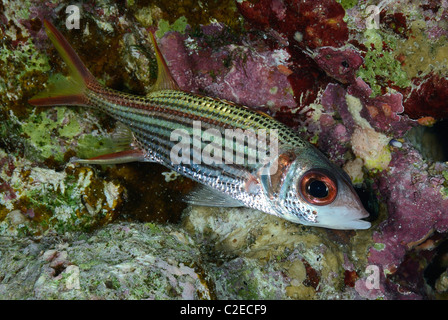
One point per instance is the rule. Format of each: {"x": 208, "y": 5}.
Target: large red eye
{"x": 318, "y": 187}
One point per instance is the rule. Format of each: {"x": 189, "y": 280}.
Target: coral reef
{"x": 34, "y": 199}
{"x": 120, "y": 261}
{"x": 261, "y": 257}
{"x": 359, "y": 90}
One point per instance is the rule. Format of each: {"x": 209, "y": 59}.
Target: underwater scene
{"x": 118, "y": 180}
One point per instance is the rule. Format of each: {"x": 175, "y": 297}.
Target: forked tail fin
{"x": 71, "y": 89}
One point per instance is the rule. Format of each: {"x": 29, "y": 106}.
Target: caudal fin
{"x": 68, "y": 90}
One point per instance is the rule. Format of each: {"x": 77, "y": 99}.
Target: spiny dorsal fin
{"x": 165, "y": 80}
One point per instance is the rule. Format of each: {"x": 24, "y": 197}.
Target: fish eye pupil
{"x": 317, "y": 189}
{"x": 345, "y": 64}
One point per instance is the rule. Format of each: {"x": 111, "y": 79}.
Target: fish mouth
{"x": 360, "y": 223}
{"x": 350, "y": 220}
{"x": 354, "y": 225}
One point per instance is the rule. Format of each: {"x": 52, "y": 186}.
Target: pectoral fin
{"x": 208, "y": 197}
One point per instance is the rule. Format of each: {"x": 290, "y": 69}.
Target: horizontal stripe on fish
{"x": 164, "y": 123}
{"x": 207, "y": 109}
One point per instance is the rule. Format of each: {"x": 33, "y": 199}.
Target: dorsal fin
{"x": 165, "y": 80}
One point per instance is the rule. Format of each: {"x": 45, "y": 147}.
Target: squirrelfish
{"x": 199, "y": 137}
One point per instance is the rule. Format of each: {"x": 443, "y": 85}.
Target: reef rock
{"x": 120, "y": 261}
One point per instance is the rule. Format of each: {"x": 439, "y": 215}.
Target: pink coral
{"x": 252, "y": 76}
{"x": 339, "y": 64}
{"x": 383, "y": 112}
{"x": 416, "y": 210}
{"x": 307, "y": 25}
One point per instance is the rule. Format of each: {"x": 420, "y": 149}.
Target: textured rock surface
{"x": 120, "y": 261}
{"x": 236, "y": 254}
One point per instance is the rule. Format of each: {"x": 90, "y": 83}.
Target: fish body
{"x": 240, "y": 156}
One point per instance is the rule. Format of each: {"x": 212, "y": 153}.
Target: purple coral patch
{"x": 339, "y": 64}
{"x": 251, "y": 77}
{"x": 383, "y": 112}
{"x": 416, "y": 209}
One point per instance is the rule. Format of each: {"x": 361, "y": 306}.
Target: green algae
{"x": 196, "y": 12}
{"x": 75, "y": 199}
{"x": 17, "y": 9}
{"x": 394, "y": 61}
{"x": 444, "y": 189}
{"x": 22, "y": 69}
{"x": 379, "y": 246}
{"x": 42, "y": 128}
{"x": 18, "y": 55}
{"x": 381, "y": 67}
{"x": 164, "y": 26}
{"x": 154, "y": 228}
{"x": 347, "y": 4}
{"x": 247, "y": 281}
{"x": 54, "y": 131}
{"x": 25, "y": 56}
